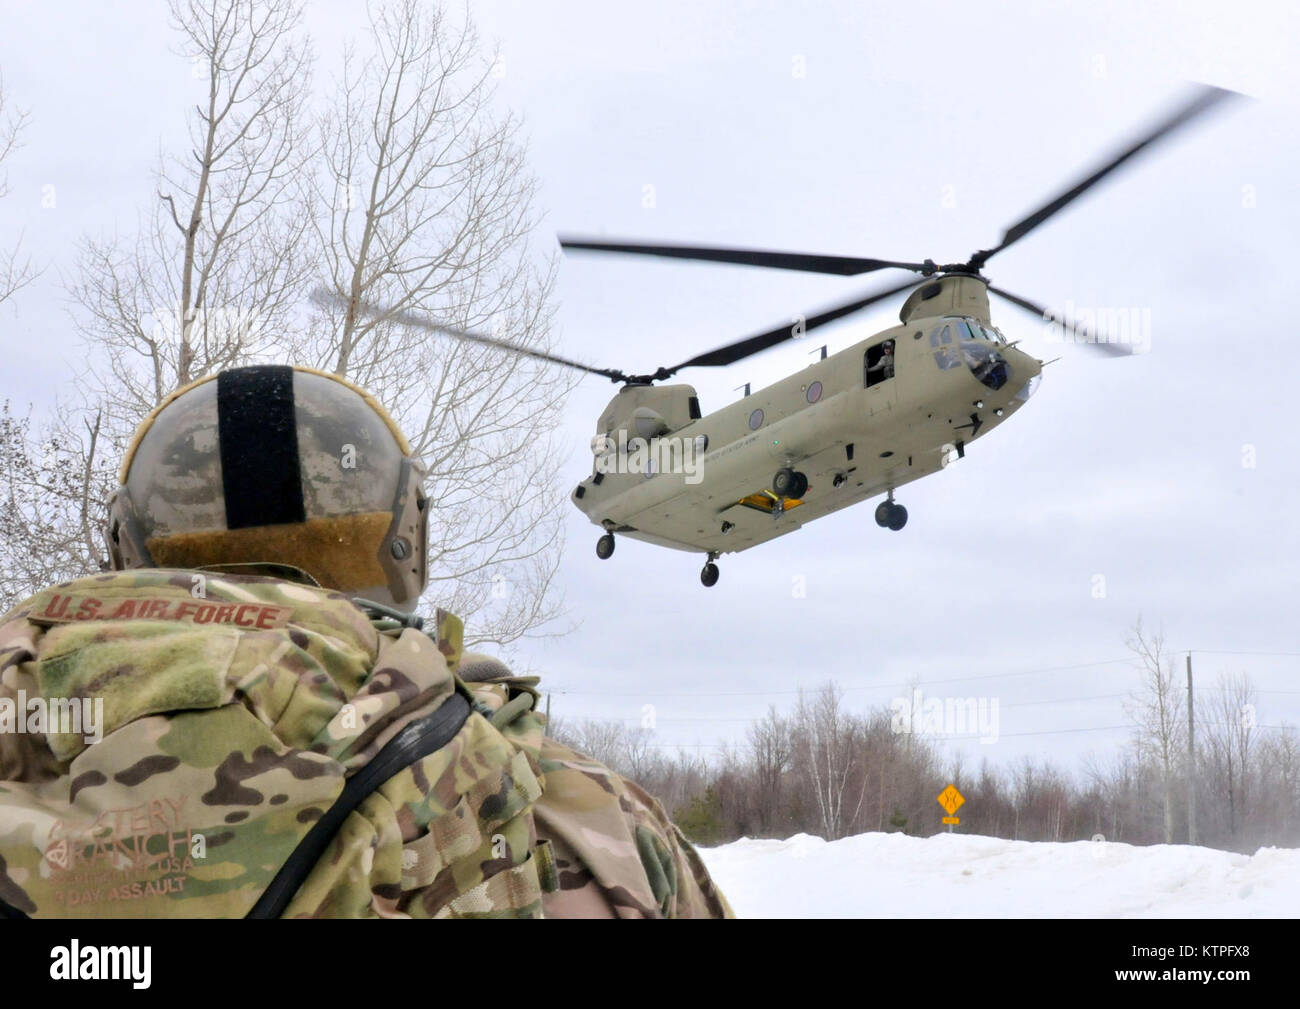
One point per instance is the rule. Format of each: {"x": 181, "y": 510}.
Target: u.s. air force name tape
{"x": 65, "y": 608}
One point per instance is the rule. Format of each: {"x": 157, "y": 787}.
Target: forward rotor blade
{"x": 1205, "y": 98}
{"x": 1067, "y": 326}
{"x": 843, "y": 266}
{"x": 742, "y": 349}
{"x": 323, "y": 296}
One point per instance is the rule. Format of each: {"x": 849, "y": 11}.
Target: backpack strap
{"x": 414, "y": 742}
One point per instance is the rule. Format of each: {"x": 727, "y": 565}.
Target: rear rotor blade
{"x": 1205, "y": 98}
{"x": 742, "y": 349}
{"x": 1067, "y": 326}
{"x": 843, "y": 266}
{"x": 324, "y": 296}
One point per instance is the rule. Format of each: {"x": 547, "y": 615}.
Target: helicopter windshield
{"x": 985, "y": 363}
{"x": 981, "y": 331}
{"x": 970, "y": 342}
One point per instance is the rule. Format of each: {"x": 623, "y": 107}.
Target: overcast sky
{"x": 874, "y": 130}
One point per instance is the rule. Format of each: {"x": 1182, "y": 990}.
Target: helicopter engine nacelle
{"x": 952, "y": 294}
{"x": 649, "y": 411}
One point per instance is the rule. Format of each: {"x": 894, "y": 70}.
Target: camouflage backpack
{"x": 174, "y": 744}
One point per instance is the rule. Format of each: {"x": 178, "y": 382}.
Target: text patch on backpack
{"x": 66, "y": 608}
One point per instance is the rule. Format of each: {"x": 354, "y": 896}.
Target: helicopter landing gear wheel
{"x": 785, "y": 482}
{"x": 891, "y": 515}
{"x": 709, "y": 573}
{"x": 800, "y": 486}
{"x": 605, "y": 547}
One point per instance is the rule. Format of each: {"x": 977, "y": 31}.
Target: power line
{"x": 1209, "y": 651}
{"x": 1037, "y": 732}
{"x": 1014, "y": 704}
{"x": 1064, "y": 700}
{"x": 945, "y": 737}
{"x": 915, "y": 684}
{"x": 876, "y": 686}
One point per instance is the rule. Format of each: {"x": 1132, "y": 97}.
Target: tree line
{"x": 823, "y": 769}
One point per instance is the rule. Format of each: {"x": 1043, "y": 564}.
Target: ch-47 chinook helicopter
{"x": 855, "y": 425}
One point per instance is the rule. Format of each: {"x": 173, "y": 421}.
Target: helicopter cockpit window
{"x": 983, "y": 332}
{"x": 985, "y": 363}
{"x": 945, "y": 356}
{"x": 879, "y": 363}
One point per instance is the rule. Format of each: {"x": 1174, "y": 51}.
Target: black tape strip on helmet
{"x": 258, "y": 431}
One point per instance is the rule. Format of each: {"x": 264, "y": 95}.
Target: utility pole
{"x": 1191, "y": 758}
{"x": 548, "y": 708}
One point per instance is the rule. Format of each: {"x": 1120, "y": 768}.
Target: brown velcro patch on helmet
{"x": 341, "y": 552}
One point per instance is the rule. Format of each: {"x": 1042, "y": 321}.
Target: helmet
{"x": 271, "y": 466}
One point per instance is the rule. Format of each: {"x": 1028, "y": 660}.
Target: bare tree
{"x": 605, "y": 740}
{"x": 1112, "y": 779}
{"x": 28, "y": 471}
{"x": 410, "y": 194}
{"x": 1230, "y": 741}
{"x": 211, "y": 280}
{"x": 423, "y": 204}
{"x": 771, "y": 752}
{"x": 1158, "y": 709}
{"x": 825, "y": 736}
{"x": 45, "y": 499}
{"x": 16, "y": 270}
{"x": 221, "y": 262}
{"x": 1280, "y": 766}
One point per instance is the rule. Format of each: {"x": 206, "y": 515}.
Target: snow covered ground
{"x": 960, "y": 875}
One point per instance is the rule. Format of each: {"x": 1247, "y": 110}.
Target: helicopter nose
{"x": 1027, "y": 372}
{"x": 1024, "y": 366}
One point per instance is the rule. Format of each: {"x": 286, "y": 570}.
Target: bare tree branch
{"x": 423, "y": 202}
{"x": 16, "y": 270}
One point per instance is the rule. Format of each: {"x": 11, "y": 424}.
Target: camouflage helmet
{"x": 271, "y": 466}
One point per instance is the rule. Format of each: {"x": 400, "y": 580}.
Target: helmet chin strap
{"x": 404, "y": 618}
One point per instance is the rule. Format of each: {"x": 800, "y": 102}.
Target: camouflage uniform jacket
{"x": 617, "y": 852}
{"x": 173, "y": 743}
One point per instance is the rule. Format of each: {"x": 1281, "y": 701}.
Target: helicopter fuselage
{"x": 851, "y": 427}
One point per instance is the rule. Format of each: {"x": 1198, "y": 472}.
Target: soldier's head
{"x": 265, "y": 468}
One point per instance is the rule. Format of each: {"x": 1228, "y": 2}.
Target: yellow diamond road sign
{"x": 950, "y": 799}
